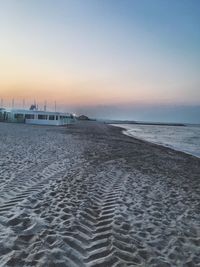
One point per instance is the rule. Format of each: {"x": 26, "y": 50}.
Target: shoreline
{"x": 125, "y": 132}
{"x": 88, "y": 195}
{"x": 146, "y": 123}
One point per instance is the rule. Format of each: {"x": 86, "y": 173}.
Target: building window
{"x": 42, "y": 117}
{"x": 57, "y": 117}
{"x": 18, "y": 116}
{"x": 29, "y": 116}
{"x": 51, "y": 117}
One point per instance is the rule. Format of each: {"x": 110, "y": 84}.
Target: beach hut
{"x": 34, "y": 116}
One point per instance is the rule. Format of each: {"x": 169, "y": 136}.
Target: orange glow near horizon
{"x": 77, "y": 95}
{"x": 31, "y": 79}
{"x": 40, "y": 80}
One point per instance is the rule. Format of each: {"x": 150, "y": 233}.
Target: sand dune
{"x": 89, "y": 196}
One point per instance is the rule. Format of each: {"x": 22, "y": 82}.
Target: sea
{"x": 181, "y": 138}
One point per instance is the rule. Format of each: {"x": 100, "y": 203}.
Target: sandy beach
{"x": 87, "y": 195}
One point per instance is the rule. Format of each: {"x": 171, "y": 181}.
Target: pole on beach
{"x": 55, "y": 106}
{"x": 45, "y": 105}
{"x": 13, "y": 102}
{"x": 35, "y": 105}
{"x": 23, "y": 103}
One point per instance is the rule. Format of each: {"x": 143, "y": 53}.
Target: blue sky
{"x": 91, "y": 53}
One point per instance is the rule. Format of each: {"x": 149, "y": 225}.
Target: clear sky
{"x": 100, "y": 55}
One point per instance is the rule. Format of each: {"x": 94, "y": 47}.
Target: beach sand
{"x": 87, "y": 195}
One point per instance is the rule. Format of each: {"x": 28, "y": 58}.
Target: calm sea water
{"x": 186, "y": 139}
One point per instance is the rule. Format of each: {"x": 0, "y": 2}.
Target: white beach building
{"x": 36, "y": 117}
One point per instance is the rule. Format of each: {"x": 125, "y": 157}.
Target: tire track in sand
{"x": 37, "y": 185}
{"x": 95, "y": 239}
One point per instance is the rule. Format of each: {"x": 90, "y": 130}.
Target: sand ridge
{"x": 88, "y": 196}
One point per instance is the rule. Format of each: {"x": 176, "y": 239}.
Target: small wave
{"x": 185, "y": 139}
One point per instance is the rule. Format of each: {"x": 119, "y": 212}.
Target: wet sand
{"x": 87, "y": 195}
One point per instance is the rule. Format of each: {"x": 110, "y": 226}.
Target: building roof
{"x": 27, "y": 111}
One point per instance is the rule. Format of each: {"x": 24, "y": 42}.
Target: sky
{"x": 118, "y": 59}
